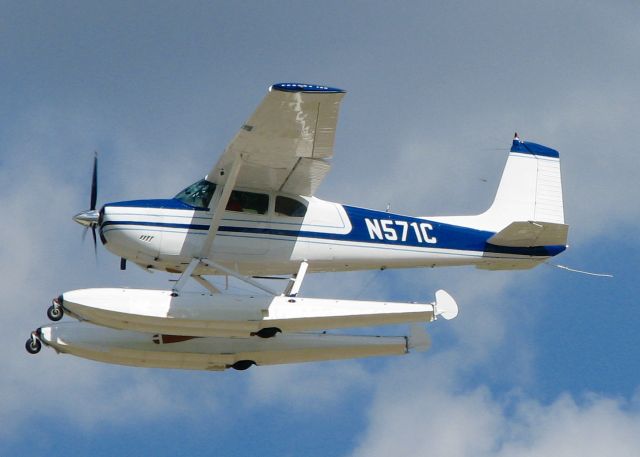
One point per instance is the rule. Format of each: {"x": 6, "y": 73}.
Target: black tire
{"x": 33, "y": 346}
{"x": 268, "y": 332}
{"x": 242, "y": 365}
{"x": 55, "y": 313}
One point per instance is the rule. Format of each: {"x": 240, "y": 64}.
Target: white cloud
{"x": 417, "y": 413}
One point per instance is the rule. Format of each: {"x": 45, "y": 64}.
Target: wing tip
{"x": 306, "y": 88}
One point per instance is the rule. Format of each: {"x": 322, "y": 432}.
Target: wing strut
{"x": 221, "y": 203}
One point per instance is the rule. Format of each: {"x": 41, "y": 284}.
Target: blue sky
{"x": 539, "y": 362}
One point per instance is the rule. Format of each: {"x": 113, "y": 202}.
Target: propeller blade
{"x": 94, "y": 184}
{"x": 90, "y": 218}
{"x": 95, "y": 242}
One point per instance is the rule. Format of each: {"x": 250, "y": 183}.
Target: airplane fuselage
{"x": 168, "y": 234}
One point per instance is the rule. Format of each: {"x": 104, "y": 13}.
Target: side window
{"x": 248, "y": 202}
{"x": 286, "y": 206}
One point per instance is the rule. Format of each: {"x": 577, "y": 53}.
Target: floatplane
{"x": 254, "y": 215}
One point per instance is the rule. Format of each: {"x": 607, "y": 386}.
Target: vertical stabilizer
{"x": 531, "y": 186}
{"x": 530, "y": 190}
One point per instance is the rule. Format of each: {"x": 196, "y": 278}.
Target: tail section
{"x": 527, "y": 214}
{"x": 526, "y": 219}
{"x": 530, "y": 191}
{"x": 530, "y": 188}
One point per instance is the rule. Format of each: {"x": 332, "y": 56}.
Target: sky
{"x": 539, "y": 362}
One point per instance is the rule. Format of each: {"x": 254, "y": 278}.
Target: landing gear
{"x": 33, "y": 344}
{"x": 55, "y": 311}
{"x": 242, "y": 365}
{"x": 268, "y": 332}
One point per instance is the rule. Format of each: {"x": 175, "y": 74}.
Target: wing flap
{"x": 306, "y": 176}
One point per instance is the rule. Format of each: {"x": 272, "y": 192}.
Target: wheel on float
{"x": 33, "y": 345}
{"x": 268, "y": 332}
{"x": 241, "y": 365}
{"x": 55, "y": 313}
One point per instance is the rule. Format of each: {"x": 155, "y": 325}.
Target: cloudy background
{"x": 541, "y": 362}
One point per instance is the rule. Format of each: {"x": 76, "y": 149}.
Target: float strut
{"x": 296, "y": 281}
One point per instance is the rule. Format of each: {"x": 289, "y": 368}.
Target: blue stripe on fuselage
{"x": 368, "y": 226}
{"x": 447, "y": 236}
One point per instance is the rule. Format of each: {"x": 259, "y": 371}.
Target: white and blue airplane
{"x": 255, "y": 214}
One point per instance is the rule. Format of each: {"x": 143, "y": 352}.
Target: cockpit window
{"x": 286, "y": 206}
{"x": 248, "y": 202}
{"x": 198, "y": 194}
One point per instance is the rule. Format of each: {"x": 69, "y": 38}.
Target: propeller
{"x": 89, "y": 218}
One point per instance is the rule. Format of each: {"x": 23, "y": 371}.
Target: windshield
{"x": 197, "y": 194}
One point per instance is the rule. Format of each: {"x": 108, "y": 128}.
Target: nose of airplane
{"x": 90, "y": 219}
{"x": 87, "y": 218}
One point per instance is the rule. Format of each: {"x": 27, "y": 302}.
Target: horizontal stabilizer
{"x": 445, "y": 305}
{"x": 531, "y": 233}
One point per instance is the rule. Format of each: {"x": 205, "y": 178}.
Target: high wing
{"x": 285, "y": 144}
